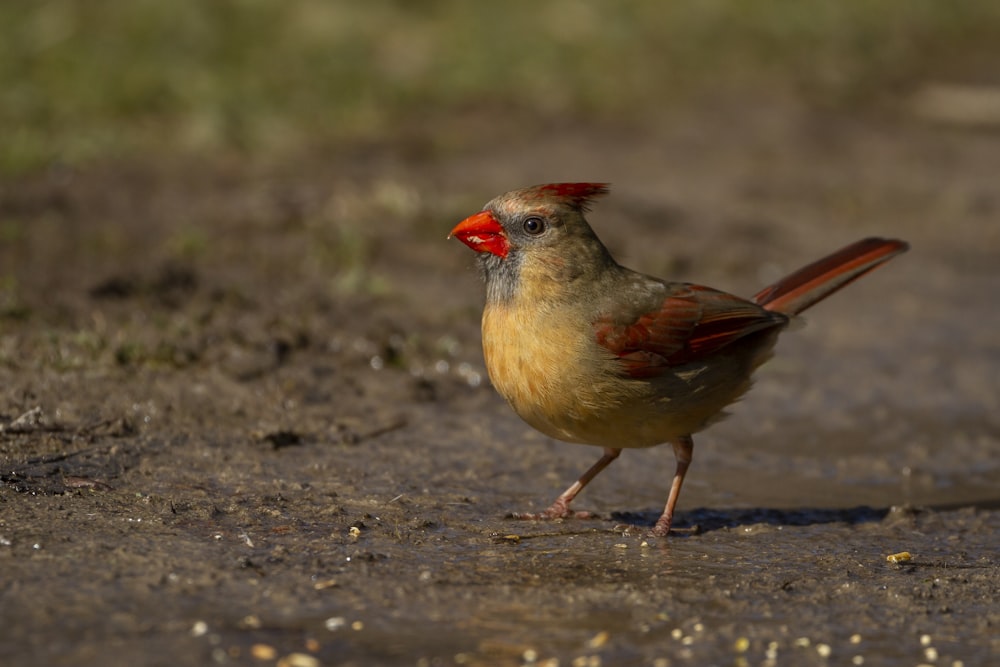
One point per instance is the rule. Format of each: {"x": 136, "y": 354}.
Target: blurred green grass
{"x": 101, "y": 79}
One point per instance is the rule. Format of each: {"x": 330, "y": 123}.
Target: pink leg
{"x": 560, "y": 508}
{"x": 683, "y": 450}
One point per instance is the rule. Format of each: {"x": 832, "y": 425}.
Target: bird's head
{"x": 537, "y": 233}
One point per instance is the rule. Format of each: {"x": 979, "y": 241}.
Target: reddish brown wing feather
{"x": 690, "y": 324}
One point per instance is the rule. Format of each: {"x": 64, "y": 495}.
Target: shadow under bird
{"x": 588, "y": 351}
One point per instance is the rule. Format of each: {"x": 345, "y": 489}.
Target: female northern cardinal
{"x": 590, "y": 352}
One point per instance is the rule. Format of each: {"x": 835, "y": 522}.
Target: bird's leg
{"x": 683, "y": 449}
{"x": 560, "y": 508}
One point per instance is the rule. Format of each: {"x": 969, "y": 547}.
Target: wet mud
{"x": 244, "y": 417}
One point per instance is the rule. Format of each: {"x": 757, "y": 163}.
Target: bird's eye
{"x": 534, "y": 226}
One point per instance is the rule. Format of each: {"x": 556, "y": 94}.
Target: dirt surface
{"x": 244, "y": 416}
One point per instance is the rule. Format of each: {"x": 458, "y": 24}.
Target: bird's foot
{"x": 662, "y": 528}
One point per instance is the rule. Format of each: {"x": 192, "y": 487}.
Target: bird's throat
{"x": 502, "y": 276}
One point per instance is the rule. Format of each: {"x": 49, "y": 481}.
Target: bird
{"x": 587, "y": 351}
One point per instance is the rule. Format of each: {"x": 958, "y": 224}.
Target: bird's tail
{"x": 810, "y": 284}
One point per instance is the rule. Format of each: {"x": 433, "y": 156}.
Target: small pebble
{"x": 599, "y": 640}
{"x": 855, "y": 639}
{"x": 530, "y": 655}
{"x": 357, "y": 625}
{"x": 298, "y": 660}
{"x": 858, "y": 660}
{"x": 742, "y": 645}
{"x": 263, "y": 652}
{"x": 802, "y": 642}
{"x": 676, "y": 633}
{"x": 824, "y": 650}
{"x": 335, "y": 623}
{"x": 771, "y": 654}
{"x": 931, "y": 653}
{"x": 925, "y": 640}
{"x": 199, "y": 628}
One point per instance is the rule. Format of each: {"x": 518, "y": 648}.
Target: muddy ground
{"x": 244, "y": 416}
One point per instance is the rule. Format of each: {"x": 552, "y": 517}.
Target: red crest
{"x": 577, "y": 195}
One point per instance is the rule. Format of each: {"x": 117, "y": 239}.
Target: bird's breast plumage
{"x": 549, "y": 370}
{"x": 545, "y": 360}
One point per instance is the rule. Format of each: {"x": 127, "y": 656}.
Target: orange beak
{"x": 482, "y": 233}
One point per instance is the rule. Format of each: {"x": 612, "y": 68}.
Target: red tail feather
{"x": 810, "y": 284}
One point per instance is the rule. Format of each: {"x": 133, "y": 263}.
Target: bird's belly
{"x": 565, "y": 386}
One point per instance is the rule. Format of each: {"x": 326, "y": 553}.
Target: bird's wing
{"x": 687, "y": 324}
